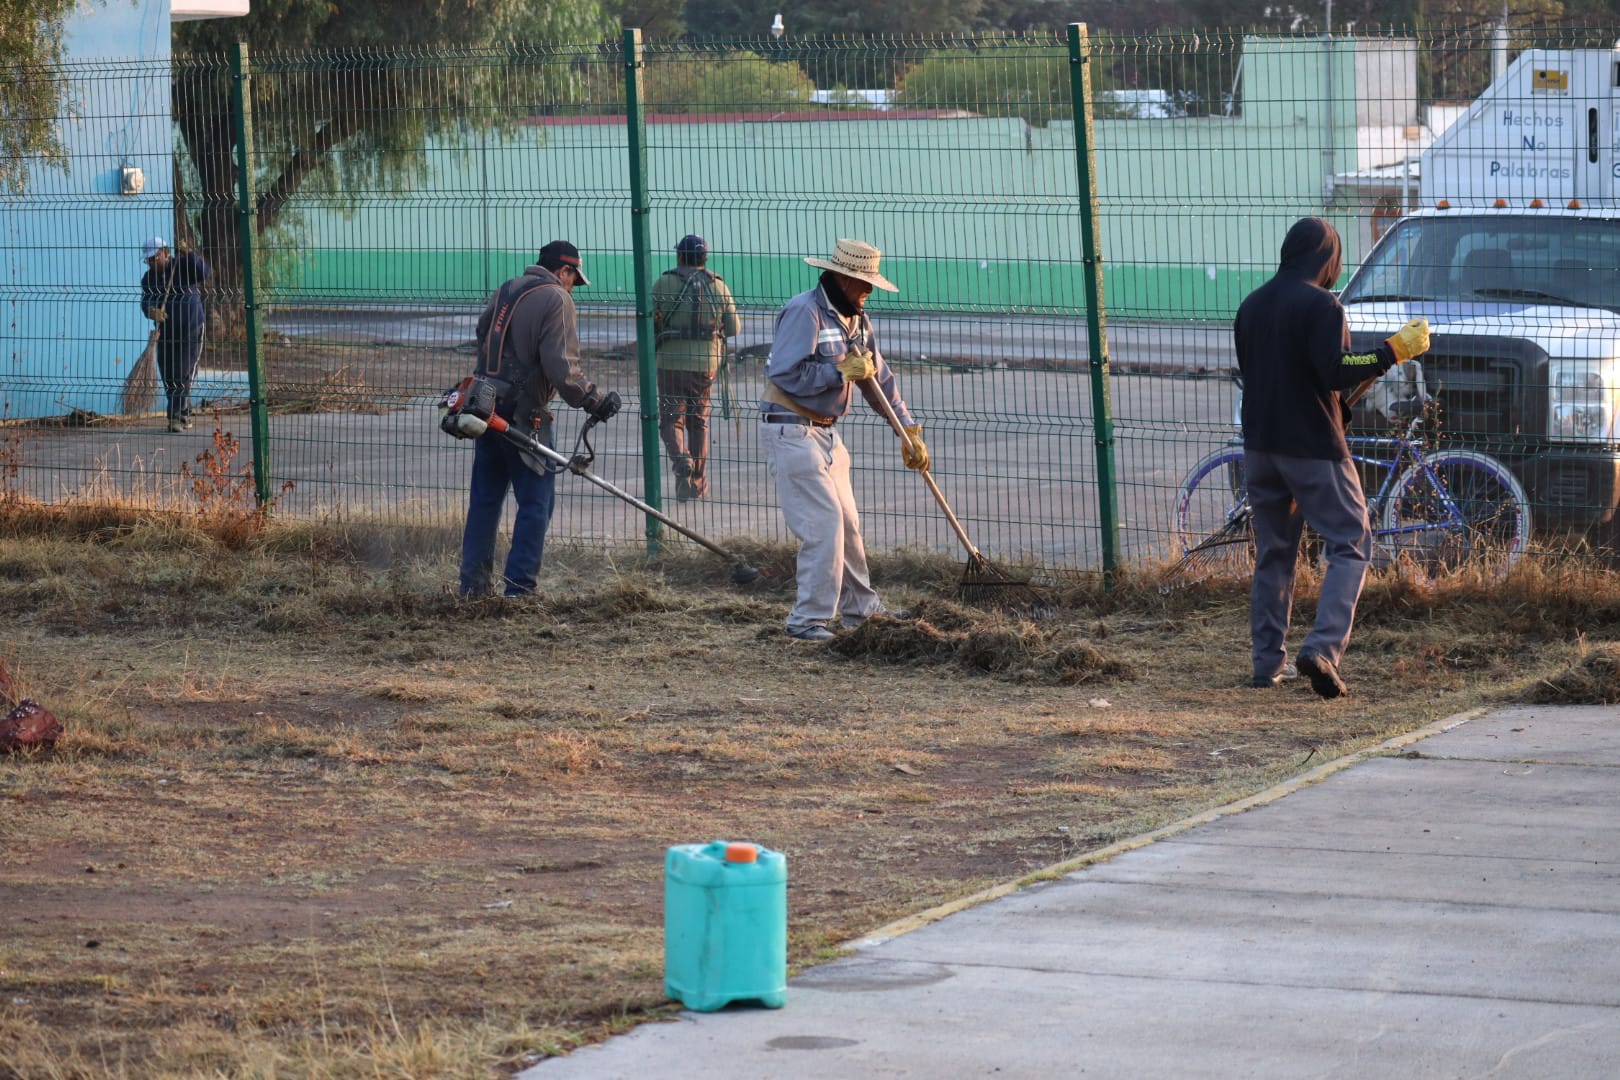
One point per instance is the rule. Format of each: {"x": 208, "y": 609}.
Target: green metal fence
{"x": 1062, "y": 328}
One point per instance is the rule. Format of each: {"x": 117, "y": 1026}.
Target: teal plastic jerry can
{"x": 725, "y": 925}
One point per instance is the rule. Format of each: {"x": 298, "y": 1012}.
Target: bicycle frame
{"x": 1427, "y": 506}
{"x": 1404, "y": 447}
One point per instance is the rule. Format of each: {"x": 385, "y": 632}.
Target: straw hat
{"x": 857, "y": 260}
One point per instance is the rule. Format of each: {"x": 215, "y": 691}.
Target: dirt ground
{"x": 316, "y": 819}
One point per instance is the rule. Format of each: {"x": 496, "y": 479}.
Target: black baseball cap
{"x": 560, "y": 253}
{"x": 692, "y": 244}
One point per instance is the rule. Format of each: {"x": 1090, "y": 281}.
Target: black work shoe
{"x": 1323, "y": 675}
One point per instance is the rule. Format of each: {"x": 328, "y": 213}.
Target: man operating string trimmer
{"x": 528, "y": 353}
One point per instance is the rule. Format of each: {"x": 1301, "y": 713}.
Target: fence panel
{"x": 397, "y": 188}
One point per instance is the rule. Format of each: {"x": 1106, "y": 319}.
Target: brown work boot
{"x": 1323, "y": 675}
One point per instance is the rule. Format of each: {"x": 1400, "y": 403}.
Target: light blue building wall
{"x": 70, "y": 319}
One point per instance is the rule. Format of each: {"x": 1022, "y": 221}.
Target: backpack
{"x": 698, "y": 314}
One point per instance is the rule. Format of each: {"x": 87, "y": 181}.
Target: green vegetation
{"x": 33, "y": 92}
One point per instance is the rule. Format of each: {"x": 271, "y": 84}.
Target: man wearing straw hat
{"x": 822, "y": 349}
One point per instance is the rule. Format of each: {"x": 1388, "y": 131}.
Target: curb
{"x": 1079, "y": 862}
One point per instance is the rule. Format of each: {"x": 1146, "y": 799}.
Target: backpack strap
{"x": 490, "y": 360}
{"x": 693, "y": 329}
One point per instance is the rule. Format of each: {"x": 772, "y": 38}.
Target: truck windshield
{"x": 1544, "y": 260}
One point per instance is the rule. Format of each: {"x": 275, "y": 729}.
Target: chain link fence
{"x": 1063, "y": 322}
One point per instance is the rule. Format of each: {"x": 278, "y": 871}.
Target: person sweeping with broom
{"x": 824, "y": 347}
{"x": 171, "y": 296}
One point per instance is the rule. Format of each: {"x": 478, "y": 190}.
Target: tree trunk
{"x": 210, "y": 142}
{"x": 201, "y": 103}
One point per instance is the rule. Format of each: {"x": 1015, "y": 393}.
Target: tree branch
{"x": 303, "y": 162}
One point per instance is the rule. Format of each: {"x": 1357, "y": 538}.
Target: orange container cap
{"x": 742, "y": 853}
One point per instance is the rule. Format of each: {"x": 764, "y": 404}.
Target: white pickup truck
{"x": 1515, "y": 261}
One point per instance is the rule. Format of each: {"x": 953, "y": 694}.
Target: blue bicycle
{"x": 1435, "y": 511}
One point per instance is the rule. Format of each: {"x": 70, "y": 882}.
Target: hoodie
{"x": 1293, "y": 348}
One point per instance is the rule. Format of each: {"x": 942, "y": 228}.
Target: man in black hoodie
{"x": 1293, "y": 348}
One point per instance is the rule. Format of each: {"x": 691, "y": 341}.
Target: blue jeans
{"x": 177, "y": 360}
{"x": 497, "y": 466}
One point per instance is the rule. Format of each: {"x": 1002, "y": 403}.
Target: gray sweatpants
{"x": 811, "y": 469}
{"x": 1286, "y": 493}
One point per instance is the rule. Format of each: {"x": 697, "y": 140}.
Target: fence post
{"x": 641, "y": 245}
{"x": 1102, "y": 408}
{"x": 246, "y": 216}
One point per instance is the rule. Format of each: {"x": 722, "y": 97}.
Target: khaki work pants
{"x": 811, "y": 468}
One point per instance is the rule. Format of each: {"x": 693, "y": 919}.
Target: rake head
{"x": 1226, "y": 553}
{"x": 987, "y": 585}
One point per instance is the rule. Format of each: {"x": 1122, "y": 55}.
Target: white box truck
{"x": 1515, "y": 261}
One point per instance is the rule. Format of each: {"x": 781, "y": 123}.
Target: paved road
{"x": 1448, "y": 908}
{"x": 910, "y": 338}
{"x": 1013, "y": 443}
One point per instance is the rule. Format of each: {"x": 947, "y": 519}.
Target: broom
{"x": 140, "y": 385}
{"x": 983, "y": 584}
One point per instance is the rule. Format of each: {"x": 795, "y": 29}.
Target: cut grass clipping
{"x": 945, "y": 634}
{"x": 1594, "y": 680}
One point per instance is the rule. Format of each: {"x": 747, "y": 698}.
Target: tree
{"x": 1120, "y": 16}
{"x": 357, "y": 115}
{"x": 724, "y": 83}
{"x": 683, "y": 80}
{"x": 33, "y": 91}
{"x": 860, "y": 57}
{"x": 658, "y": 20}
{"x": 1031, "y": 83}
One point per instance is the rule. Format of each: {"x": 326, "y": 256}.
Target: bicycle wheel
{"x": 1214, "y": 527}
{"x": 1489, "y": 529}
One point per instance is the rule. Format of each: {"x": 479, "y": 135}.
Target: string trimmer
{"x": 983, "y": 582}
{"x": 470, "y": 412}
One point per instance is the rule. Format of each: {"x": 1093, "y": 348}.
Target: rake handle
{"x": 875, "y": 393}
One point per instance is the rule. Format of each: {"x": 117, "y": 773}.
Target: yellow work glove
{"x": 856, "y": 365}
{"x": 1410, "y": 340}
{"x": 915, "y": 453}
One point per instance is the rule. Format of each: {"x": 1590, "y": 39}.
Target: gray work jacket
{"x": 810, "y": 339}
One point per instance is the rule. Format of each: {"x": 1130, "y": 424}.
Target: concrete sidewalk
{"x": 1446, "y": 907}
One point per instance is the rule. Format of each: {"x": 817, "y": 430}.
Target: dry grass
{"x": 342, "y": 389}
{"x": 314, "y": 817}
{"x": 1594, "y": 679}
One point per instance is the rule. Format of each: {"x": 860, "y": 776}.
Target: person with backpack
{"x": 528, "y": 348}
{"x": 693, "y": 315}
